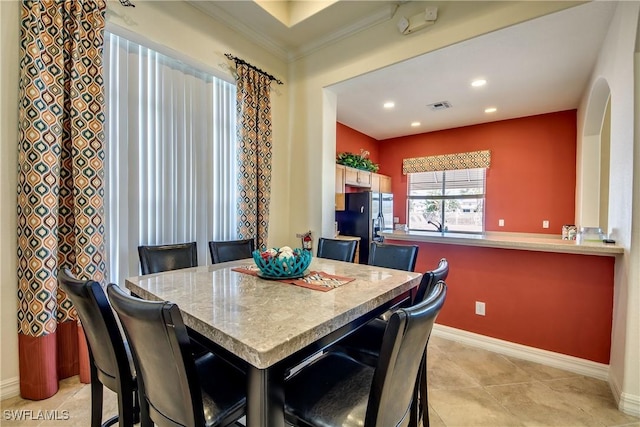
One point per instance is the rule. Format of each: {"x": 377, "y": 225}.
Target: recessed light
{"x": 389, "y": 104}
{"x": 490, "y": 110}
{"x": 478, "y": 83}
{"x": 415, "y": 124}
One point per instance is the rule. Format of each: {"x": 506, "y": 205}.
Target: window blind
{"x": 171, "y": 154}
{"x": 421, "y": 182}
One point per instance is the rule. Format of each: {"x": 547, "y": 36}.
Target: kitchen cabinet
{"x": 380, "y": 183}
{"x": 385, "y": 184}
{"x": 357, "y": 178}
{"x": 340, "y": 179}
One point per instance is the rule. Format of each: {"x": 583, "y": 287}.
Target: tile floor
{"x": 468, "y": 387}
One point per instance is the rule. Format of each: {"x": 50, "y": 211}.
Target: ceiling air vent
{"x": 442, "y": 105}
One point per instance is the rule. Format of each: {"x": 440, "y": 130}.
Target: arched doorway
{"x": 592, "y": 200}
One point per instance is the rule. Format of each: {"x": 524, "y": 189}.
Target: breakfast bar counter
{"x": 519, "y": 241}
{"x": 538, "y": 290}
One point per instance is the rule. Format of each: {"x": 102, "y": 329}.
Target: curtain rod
{"x": 253, "y": 67}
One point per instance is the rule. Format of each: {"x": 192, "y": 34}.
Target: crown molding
{"x": 230, "y": 21}
{"x": 279, "y": 50}
{"x": 375, "y": 18}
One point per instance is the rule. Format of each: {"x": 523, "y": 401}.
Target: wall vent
{"x": 442, "y": 105}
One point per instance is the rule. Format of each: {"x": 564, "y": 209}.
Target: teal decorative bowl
{"x": 282, "y": 268}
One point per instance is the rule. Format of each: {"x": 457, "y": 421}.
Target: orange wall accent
{"x": 351, "y": 141}
{"x": 532, "y": 175}
{"x": 557, "y": 302}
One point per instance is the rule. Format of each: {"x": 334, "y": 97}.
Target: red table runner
{"x": 316, "y": 280}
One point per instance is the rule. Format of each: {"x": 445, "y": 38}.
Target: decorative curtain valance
{"x": 471, "y": 160}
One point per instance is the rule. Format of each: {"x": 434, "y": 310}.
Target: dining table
{"x": 268, "y": 327}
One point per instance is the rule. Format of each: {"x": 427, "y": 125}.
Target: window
{"x": 170, "y": 173}
{"x": 453, "y": 198}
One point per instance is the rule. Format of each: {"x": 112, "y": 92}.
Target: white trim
{"x": 9, "y": 388}
{"x": 224, "y": 18}
{"x": 545, "y": 357}
{"x": 627, "y": 403}
{"x": 279, "y": 49}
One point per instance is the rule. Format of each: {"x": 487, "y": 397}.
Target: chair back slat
{"x": 430, "y": 278}
{"x": 399, "y": 257}
{"x": 403, "y": 346}
{"x": 161, "y": 348}
{"x": 100, "y": 328}
{"x": 338, "y": 250}
{"x": 155, "y": 259}
{"x": 231, "y": 250}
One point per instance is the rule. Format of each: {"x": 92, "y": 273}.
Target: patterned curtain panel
{"x": 470, "y": 160}
{"x": 254, "y": 153}
{"x": 60, "y": 182}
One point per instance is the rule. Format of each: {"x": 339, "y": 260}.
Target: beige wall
{"x": 618, "y": 66}
{"x": 9, "y": 35}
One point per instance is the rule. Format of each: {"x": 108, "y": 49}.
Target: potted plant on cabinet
{"x": 357, "y": 161}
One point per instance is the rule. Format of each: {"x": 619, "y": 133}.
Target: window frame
{"x": 444, "y": 197}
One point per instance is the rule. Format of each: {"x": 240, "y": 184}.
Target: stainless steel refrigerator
{"x": 365, "y": 214}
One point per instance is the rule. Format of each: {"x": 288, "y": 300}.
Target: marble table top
{"x": 264, "y": 321}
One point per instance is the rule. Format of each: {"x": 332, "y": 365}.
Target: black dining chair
{"x": 156, "y": 259}
{"x": 365, "y": 343}
{"x": 110, "y": 361}
{"x": 338, "y": 250}
{"x": 231, "y": 250}
{"x": 337, "y": 390}
{"x": 399, "y": 257}
{"x": 178, "y": 389}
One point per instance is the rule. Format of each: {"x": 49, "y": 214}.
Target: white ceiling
{"x": 536, "y": 67}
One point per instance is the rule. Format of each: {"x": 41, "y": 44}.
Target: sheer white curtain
{"x": 171, "y": 155}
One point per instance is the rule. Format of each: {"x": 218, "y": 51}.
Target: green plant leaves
{"x": 356, "y": 161}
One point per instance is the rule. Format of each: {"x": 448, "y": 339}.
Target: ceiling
{"x": 536, "y": 67}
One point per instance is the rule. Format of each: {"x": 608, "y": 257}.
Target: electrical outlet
{"x": 501, "y": 223}
{"x": 545, "y": 224}
{"x": 480, "y": 308}
{"x": 396, "y": 220}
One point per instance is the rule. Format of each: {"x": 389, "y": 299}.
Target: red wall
{"x": 532, "y": 175}
{"x": 557, "y": 302}
{"x": 351, "y": 141}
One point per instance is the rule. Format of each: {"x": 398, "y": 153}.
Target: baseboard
{"x": 545, "y": 357}
{"x": 627, "y": 403}
{"x": 9, "y": 388}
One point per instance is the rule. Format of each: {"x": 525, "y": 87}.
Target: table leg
{"x": 265, "y": 397}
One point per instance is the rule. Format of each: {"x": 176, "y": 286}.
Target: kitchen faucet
{"x": 436, "y": 224}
